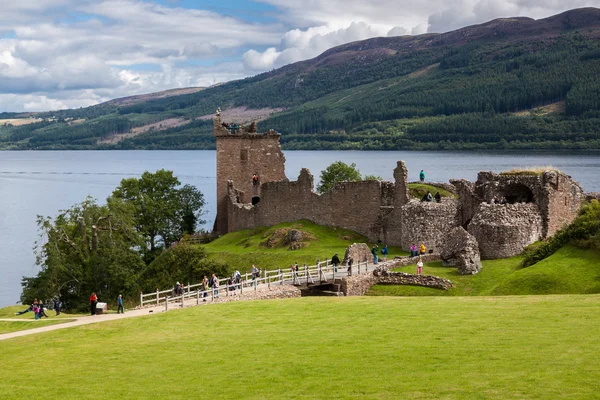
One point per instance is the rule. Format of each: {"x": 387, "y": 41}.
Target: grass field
{"x": 9, "y": 312}
{"x": 243, "y": 248}
{"x": 14, "y": 326}
{"x": 542, "y": 347}
{"x": 568, "y": 271}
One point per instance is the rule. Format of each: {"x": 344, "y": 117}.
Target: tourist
{"x": 422, "y": 176}
{"x": 428, "y": 197}
{"x": 384, "y": 252}
{"x": 41, "y": 306}
{"x": 237, "y": 278}
{"x": 413, "y": 250}
{"x": 57, "y": 305}
{"x": 335, "y": 260}
{"x": 204, "y": 288}
{"x": 120, "y": 309}
{"x": 177, "y": 289}
{"x": 374, "y": 251}
{"x": 93, "y": 303}
{"x": 350, "y": 262}
{"x": 215, "y": 285}
{"x": 30, "y": 308}
{"x": 36, "y": 310}
{"x": 255, "y": 273}
{"x": 255, "y": 179}
{"x": 423, "y": 248}
{"x": 419, "y": 266}
{"x": 438, "y": 197}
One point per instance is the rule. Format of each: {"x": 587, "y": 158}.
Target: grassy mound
{"x": 418, "y": 190}
{"x": 342, "y": 348}
{"x": 568, "y": 271}
{"x": 243, "y": 248}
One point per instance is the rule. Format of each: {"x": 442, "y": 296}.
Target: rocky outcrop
{"x": 359, "y": 252}
{"x": 462, "y": 251}
{"x": 504, "y": 230}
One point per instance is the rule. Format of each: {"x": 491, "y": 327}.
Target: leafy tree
{"x": 87, "y": 248}
{"x": 336, "y": 173}
{"x": 163, "y": 211}
{"x": 182, "y": 262}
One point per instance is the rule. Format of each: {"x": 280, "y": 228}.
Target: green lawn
{"x": 14, "y": 326}
{"x": 543, "y": 347}
{"x": 243, "y": 248}
{"x": 9, "y": 312}
{"x": 568, "y": 271}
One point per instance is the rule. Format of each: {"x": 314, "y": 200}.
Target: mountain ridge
{"x": 437, "y": 90}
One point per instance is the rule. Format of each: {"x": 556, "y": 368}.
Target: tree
{"x": 182, "y": 262}
{"x": 87, "y": 248}
{"x": 163, "y": 211}
{"x": 336, "y": 173}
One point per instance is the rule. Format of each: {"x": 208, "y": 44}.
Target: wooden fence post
{"x": 157, "y": 296}
{"x": 166, "y": 303}
{"x": 142, "y": 299}
{"x": 198, "y": 297}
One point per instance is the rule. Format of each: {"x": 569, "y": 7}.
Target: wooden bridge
{"x": 321, "y": 274}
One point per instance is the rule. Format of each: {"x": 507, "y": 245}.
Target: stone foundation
{"x": 384, "y": 277}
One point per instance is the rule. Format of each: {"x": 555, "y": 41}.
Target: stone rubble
{"x": 462, "y": 251}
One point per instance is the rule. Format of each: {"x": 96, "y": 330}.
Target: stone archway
{"x": 517, "y": 193}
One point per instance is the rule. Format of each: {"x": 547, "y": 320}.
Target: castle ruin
{"x": 536, "y": 206}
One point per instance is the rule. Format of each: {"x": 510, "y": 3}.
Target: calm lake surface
{"x": 42, "y": 183}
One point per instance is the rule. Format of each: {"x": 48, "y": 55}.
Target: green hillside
{"x": 541, "y": 347}
{"x": 509, "y": 83}
{"x": 266, "y": 247}
{"x": 568, "y": 271}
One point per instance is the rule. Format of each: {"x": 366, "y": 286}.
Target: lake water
{"x": 41, "y": 183}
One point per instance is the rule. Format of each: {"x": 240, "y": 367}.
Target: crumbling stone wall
{"x": 239, "y": 156}
{"x": 385, "y": 277}
{"x": 504, "y": 230}
{"x": 357, "y": 285}
{"x": 427, "y": 222}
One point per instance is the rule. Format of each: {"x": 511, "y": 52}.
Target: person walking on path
{"x": 335, "y": 260}
{"x": 438, "y": 197}
{"x": 422, "y": 176}
{"x": 423, "y": 248}
{"x": 120, "y": 309}
{"x": 93, "y": 303}
{"x": 420, "y": 266}
{"x": 215, "y": 285}
{"x": 255, "y": 274}
{"x": 204, "y": 288}
{"x": 384, "y": 252}
{"x": 350, "y": 262}
{"x": 57, "y": 305}
{"x": 374, "y": 251}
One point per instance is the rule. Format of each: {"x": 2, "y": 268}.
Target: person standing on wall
{"x": 120, "y": 309}
{"x": 374, "y": 251}
{"x": 422, "y": 176}
{"x": 335, "y": 260}
{"x": 93, "y": 303}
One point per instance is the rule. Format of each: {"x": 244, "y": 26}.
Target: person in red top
{"x": 93, "y": 303}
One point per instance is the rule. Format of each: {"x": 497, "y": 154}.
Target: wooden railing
{"x": 320, "y": 272}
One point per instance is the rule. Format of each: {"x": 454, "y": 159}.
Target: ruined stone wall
{"x": 563, "y": 201}
{"x": 351, "y": 205}
{"x": 357, "y": 285}
{"x": 504, "y": 230}
{"x": 239, "y": 156}
{"x": 427, "y": 222}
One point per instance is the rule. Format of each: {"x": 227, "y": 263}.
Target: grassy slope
{"x": 10, "y": 326}
{"x": 242, "y": 249}
{"x": 418, "y": 190}
{"x": 568, "y": 271}
{"x": 9, "y": 312}
{"x": 342, "y": 348}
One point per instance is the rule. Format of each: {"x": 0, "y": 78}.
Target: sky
{"x": 57, "y": 54}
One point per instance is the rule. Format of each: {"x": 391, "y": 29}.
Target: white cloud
{"x": 72, "y": 53}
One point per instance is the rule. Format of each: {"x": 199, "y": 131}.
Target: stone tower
{"x": 242, "y": 153}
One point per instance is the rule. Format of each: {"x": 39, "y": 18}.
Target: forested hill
{"x": 508, "y": 83}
